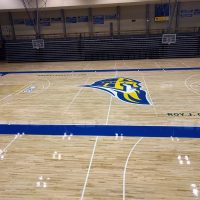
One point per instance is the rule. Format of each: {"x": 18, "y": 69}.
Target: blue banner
{"x": 99, "y": 19}
{"x": 45, "y": 22}
{"x": 82, "y": 18}
{"x": 56, "y": 19}
{"x": 187, "y": 13}
{"x": 29, "y": 22}
{"x": 162, "y": 12}
{"x": 19, "y": 21}
{"x": 71, "y": 19}
{"x": 110, "y": 17}
{"x": 196, "y": 11}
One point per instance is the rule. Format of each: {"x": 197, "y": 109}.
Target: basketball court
{"x": 100, "y": 100}
{"x": 66, "y": 165}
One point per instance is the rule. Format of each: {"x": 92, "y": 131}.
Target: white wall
{"x": 17, "y": 4}
{"x": 81, "y": 27}
{"x": 56, "y": 28}
{"x": 106, "y": 26}
{"x": 22, "y": 29}
{"x": 132, "y": 19}
{"x": 193, "y": 21}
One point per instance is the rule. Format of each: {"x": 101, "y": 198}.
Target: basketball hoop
{"x": 168, "y": 39}
{"x": 38, "y": 44}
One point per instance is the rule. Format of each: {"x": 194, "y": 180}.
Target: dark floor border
{"x": 101, "y": 70}
{"x": 102, "y": 130}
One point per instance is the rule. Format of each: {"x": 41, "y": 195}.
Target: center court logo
{"x": 125, "y": 89}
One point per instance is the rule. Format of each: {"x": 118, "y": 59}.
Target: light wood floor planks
{"x": 103, "y": 168}
{"x": 153, "y": 169}
{"x": 61, "y": 99}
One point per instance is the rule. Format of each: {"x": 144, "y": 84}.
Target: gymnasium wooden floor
{"x": 95, "y": 168}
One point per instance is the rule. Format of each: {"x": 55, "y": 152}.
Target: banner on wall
{"x": 189, "y": 12}
{"x": 71, "y": 19}
{"x": 162, "y": 12}
{"x": 18, "y": 21}
{"x": 45, "y": 22}
{"x": 56, "y": 19}
{"x": 98, "y": 19}
{"x": 196, "y": 11}
{"x": 110, "y": 17}
{"x": 29, "y": 22}
{"x": 83, "y": 18}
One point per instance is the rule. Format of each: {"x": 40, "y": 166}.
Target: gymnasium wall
{"x": 16, "y": 4}
{"x": 132, "y": 21}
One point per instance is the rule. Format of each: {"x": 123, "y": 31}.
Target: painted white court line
{"x": 150, "y": 96}
{"x": 88, "y": 172}
{"x": 6, "y": 97}
{"x": 110, "y": 104}
{"x": 43, "y": 87}
{"x": 125, "y": 167}
{"x": 159, "y": 66}
{"x": 49, "y": 84}
{"x": 109, "y": 110}
{"x": 75, "y": 96}
{"x": 184, "y": 64}
{"x": 16, "y": 92}
{"x": 4, "y": 151}
{"x": 189, "y": 86}
{"x": 10, "y": 143}
{"x": 33, "y": 95}
{"x": 21, "y": 90}
{"x": 147, "y": 90}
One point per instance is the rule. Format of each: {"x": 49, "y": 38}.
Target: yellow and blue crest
{"x": 125, "y": 89}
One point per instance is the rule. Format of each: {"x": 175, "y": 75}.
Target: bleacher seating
{"x": 129, "y": 47}
{"x": 2, "y": 52}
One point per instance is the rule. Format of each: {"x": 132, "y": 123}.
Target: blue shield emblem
{"x": 125, "y": 89}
